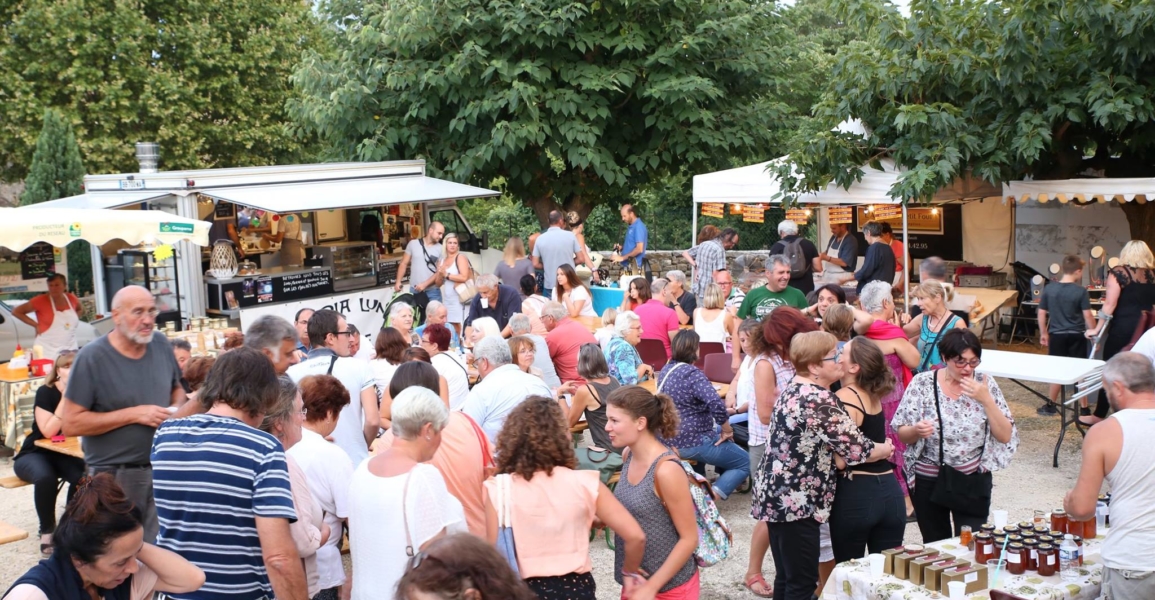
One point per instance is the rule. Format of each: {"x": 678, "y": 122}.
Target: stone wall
{"x": 662, "y": 261}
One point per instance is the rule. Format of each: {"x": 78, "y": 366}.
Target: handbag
{"x": 467, "y": 289}
{"x": 968, "y": 493}
{"x": 606, "y": 463}
{"x": 505, "y": 544}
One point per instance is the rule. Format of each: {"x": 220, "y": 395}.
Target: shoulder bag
{"x": 505, "y": 543}
{"x": 467, "y": 289}
{"x": 604, "y": 461}
{"x": 956, "y": 490}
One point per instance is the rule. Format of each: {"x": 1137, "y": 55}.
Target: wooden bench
{"x": 12, "y": 482}
{"x": 11, "y": 533}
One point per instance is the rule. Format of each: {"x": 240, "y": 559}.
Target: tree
{"x": 998, "y": 90}
{"x": 207, "y": 80}
{"x": 572, "y": 103}
{"x": 57, "y": 172}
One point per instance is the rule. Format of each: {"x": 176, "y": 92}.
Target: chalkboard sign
{"x": 298, "y": 286}
{"x": 387, "y": 272}
{"x": 225, "y": 211}
{"x": 37, "y": 261}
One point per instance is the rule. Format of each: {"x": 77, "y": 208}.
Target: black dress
{"x": 1136, "y": 294}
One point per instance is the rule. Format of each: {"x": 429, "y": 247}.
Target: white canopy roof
{"x": 354, "y": 193}
{"x": 752, "y": 184}
{"x": 1124, "y": 189}
{"x": 22, "y": 227}
{"x": 98, "y": 200}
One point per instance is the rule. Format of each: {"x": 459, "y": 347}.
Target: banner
{"x": 922, "y": 220}
{"x": 363, "y": 308}
{"x": 840, "y": 215}
{"x": 801, "y": 216}
{"x": 753, "y": 213}
{"x": 716, "y": 211}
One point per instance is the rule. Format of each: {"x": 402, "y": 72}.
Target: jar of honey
{"x": 1043, "y": 529}
{"x": 1079, "y": 543}
{"x": 1016, "y": 558}
{"x": 1025, "y": 525}
{"x": 965, "y": 536}
{"x": 1032, "y": 555}
{"x": 1011, "y": 529}
{"x": 984, "y": 548}
{"x": 1014, "y": 539}
{"x": 1074, "y": 527}
{"x": 1045, "y": 539}
{"x": 1059, "y": 520}
{"x": 1048, "y": 560}
{"x": 1090, "y": 529}
{"x": 987, "y": 528}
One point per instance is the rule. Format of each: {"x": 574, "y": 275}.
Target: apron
{"x": 292, "y": 248}
{"x": 61, "y": 335}
{"x": 831, "y": 272}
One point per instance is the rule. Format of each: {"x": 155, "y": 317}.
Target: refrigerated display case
{"x": 354, "y": 264}
{"x": 158, "y": 277}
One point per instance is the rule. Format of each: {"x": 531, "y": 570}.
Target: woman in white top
{"x": 711, "y": 320}
{"x": 389, "y": 347}
{"x": 435, "y": 341}
{"x": 456, "y": 269}
{"x": 606, "y": 333}
{"x": 573, "y": 293}
{"x": 397, "y": 502}
{"x": 532, "y": 304}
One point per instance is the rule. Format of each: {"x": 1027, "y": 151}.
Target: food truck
{"x": 345, "y": 224}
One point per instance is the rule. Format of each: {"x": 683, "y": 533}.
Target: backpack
{"x": 714, "y": 536}
{"x": 799, "y": 266}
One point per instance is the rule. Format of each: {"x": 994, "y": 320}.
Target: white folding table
{"x": 1041, "y": 368}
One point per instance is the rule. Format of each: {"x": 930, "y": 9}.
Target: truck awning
{"x": 349, "y": 193}
{"x": 104, "y": 199}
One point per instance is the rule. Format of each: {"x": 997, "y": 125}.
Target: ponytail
{"x": 659, "y": 411}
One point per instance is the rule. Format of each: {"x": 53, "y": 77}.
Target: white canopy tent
{"x": 1124, "y": 189}
{"x": 22, "y": 227}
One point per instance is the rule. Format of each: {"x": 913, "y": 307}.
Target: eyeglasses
{"x": 304, "y": 322}
{"x": 140, "y": 312}
{"x": 961, "y": 362}
{"x": 304, "y": 412}
{"x": 346, "y": 332}
{"x": 837, "y": 355}
{"x": 419, "y": 559}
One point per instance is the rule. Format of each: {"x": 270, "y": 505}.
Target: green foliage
{"x": 502, "y": 217}
{"x": 208, "y": 80}
{"x": 57, "y": 170}
{"x": 572, "y": 103}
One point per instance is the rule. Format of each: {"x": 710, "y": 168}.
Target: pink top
{"x": 306, "y": 531}
{"x": 42, "y": 308}
{"x": 552, "y": 516}
{"x": 565, "y": 343}
{"x": 658, "y": 321}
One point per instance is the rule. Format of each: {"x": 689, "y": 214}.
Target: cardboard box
{"x": 932, "y": 573}
{"x": 888, "y": 559}
{"x": 915, "y": 567}
{"x": 974, "y": 576}
{"x": 902, "y": 561}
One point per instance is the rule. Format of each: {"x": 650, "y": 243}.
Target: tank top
{"x": 597, "y": 417}
{"x": 710, "y": 331}
{"x": 1132, "y": 533}
{"x": 1136, "y": 294}
{"x": 873, "y": 427}
{"x": 928, "y": 342}
{"x": 746, "y": 394}
{"x": 661, "y": 535}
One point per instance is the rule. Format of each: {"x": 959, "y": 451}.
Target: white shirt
{"x": 377, "y": 528}
{"x": 1146, "y": 345}
{"x": 453, "y": 370}
{"x": 382, "y": 374}
{"x": 329, "y": 472}
{"x": 356, "y": 376}
{"x": 579, "y": 293}
{"x": 494, "y": 397}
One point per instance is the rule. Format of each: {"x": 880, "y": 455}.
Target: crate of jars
{"x": 206, "y": 335}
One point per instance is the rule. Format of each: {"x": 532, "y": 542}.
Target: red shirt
{"x": 896, "y": 246}
{"x": 564, "y": 343}
{"x": 42, "y": 307}
{"x": 658, "y": 321}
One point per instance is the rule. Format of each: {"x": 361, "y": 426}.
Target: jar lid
{"x": 1077, "y": 538}
{"x": 1046, "y": 547}
{"x": 1031, "y": 543}
{"x": 1016, "y": 546}
{"x": 1103, "y": 497}
{"x": 1026, "y": 525}
{"x": 1046, "y": 539}
{"x": 1015, "y": 538}
{"x": 1059, "y": 511}
{"x": 1042, "y": 529}
{"x": 1056, "y": 534}
{"x": 983, "y": 536}
{"x": 987, "y": 527}
{"x": 1011, "y": 528}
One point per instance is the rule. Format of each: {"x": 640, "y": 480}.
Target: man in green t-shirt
{"x": 761, "y": 301}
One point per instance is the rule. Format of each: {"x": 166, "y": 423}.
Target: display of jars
{"x": 1048, "y": 561}
{"x": 1032, "y": 554}
{"x": 1059, "y": 520}
{"x": 985, "y": 548}
{"x": 1016, "y": 558}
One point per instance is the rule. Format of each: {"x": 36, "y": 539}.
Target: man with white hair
{"x": 1116, "y": 450}
{"x": 494, "y": 300}
{"x": 676, "y": 297}
{"x": 436, "y": 312}
{"x": 801, "y": 252}
{"x": 276, "y": 338}
{"x": 120, "y": 390}
{"x": 502, "y": 387}
{"x": 708, "y": 257}
{"x": 520, "y": 325}
{"x": 564, "y": 340}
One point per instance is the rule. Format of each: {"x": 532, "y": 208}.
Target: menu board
{"x": 387, "y": 272}
{"x": 37, "y": 261}
{"x": 297, "y": 286}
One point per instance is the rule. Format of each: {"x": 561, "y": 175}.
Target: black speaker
{"x": 1037, "y": 283}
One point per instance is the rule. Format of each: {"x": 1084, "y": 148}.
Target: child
{"x": 1065, "y": 315}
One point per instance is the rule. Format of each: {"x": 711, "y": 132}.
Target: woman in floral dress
{"x": 795, "y": 489}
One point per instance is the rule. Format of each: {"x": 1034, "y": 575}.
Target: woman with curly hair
{"x": 554, "y": 506}
{"x": 461, "y": 566}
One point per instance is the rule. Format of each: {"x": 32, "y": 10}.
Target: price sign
{"x": 387, "y": 272}
{"x": 754, "y": 213}
{"x": 839, "y": 215}
{"x": 297, "y": 286}
{"x": 887, "y": 213}
{"x": 716, "y": 211}
{"x": 38, "y": 261}
{"x": 799, "y": 215}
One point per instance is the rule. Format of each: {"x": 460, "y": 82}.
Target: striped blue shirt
{"x": 212, "y": 476}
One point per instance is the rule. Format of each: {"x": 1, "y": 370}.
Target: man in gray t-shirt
{"x": 119, "y": 391}
{"x": 554, "y": 248}
{"x": 422, "y": 256}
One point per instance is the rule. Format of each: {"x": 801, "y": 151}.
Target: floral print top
{"x": 700, "y": 408}
{"x": 623, "y": 360}
{"x": 797, "y": 475}
{"x": 965, "y": 421}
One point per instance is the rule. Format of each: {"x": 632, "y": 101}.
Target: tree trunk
{"x": 1141, "y": 219}
{"x": 542, "y": 207}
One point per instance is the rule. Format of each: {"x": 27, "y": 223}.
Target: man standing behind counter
{"x": 120, "y": 389}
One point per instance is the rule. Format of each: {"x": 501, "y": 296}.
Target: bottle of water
{"x": 1069, "y": 558}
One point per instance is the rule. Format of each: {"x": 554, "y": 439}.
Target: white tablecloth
{"x": 851, "y": 580}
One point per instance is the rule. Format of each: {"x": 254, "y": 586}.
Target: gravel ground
{"x": 1029, "y": 483}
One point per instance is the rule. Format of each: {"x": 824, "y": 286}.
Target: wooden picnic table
{"x": 651, "y": 386}
{"x": 70, "y": 446}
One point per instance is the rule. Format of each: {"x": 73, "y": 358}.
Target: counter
{"x": 273, "y": 284}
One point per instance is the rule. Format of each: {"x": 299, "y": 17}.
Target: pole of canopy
{"x": 693, "y": 236}
{"x": 905, "y": 262}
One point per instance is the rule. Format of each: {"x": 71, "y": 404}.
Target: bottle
{"x": 1069, "y": 558}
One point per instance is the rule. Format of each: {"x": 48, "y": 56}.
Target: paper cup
{"x": 999, "y": 518}
{"x": 876, "y": 563}
{"x": 958, "y": 590}
{"x": 996, "y": 570}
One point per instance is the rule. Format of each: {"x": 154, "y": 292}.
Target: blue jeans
{"x": 728, "y": 456}
{"x": 433, "y": 292}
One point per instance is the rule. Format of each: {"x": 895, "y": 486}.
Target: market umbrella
{"x": 22, "y": 227}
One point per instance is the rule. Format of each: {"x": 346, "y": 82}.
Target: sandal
{"x": 757, "y": 579}
{"x": 1086, "y": 424}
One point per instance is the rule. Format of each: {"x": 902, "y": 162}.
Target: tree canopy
{"x": 208, "y": 80}
{"x": 570, "y": 103}
{"x": 1042, "y": 88}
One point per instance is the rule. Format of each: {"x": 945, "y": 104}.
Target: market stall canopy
{"x": 1101, "y": 189}
{"x": 753, "y": 184}
{"x": 355, "y": 193}
{"x": 22, "y": 227}
{"x": 101, "y": 200}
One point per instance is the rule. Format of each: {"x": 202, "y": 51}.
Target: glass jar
{"x": 965, "y": 536}
{"x": 1025, "y": 525}
{"x": 987, "y": 528}
{"x": 1040, "y": 517}
{"x": 1059, "y": 520}
{"x": 1090, "y": 529}
{"x": 1075, "y": 527}
{"x": 1014, "y": 539}
{"x": 1011, "y": 529}
{"x": 1032, "y": 555}
{"x": 1079, "y": 543}
{"x": 984, "y": 548}
{"x": 1044, "y": 529}
{"x": 1016, "y": 558}
{"x": 1048, "y": 560}
{"x": 1045, "y": 539}
{"x": 1000, "y": 542}
{"x": 1058, "y": 535}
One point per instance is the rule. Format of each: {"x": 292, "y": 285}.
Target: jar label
{"x": 1050, "y": 559}
{"x": 988, "y": 548}
{"x": 1034, "y": 554}
{"x": 1014, "y": 557}
{"x": 971, "y": 577}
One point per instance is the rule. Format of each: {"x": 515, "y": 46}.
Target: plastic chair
{"x": 717, "y": 368}
{"x": 653, "y": 353}
{"x": 705, "y": 349}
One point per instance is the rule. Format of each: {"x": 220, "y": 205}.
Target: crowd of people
{"x": 242, "y": 479}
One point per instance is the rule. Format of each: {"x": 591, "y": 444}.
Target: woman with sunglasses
{"x": 980, "y": 437}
